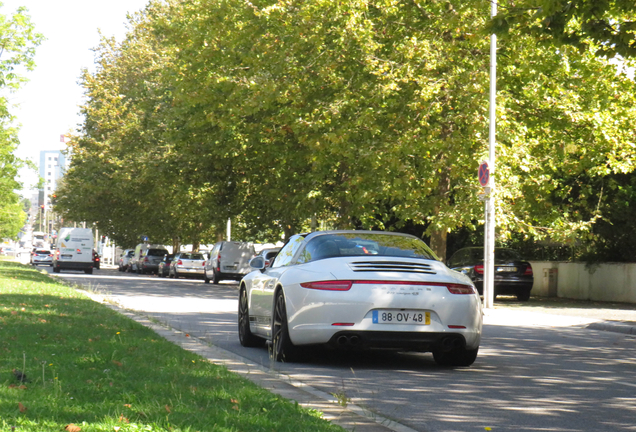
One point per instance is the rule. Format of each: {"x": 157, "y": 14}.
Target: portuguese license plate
{"x": 401, "y": 317}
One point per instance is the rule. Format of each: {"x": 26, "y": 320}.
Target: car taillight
{"x": 328, "y": 285}
{"x": 218, "y": 263}
{"x": 50, "y": 255}
{"x": 460, "y": 289}
{"x": 179, "y": 262}
{"x": 479, "y": 269}
{"x": 528, "y": 270}
{"x": 203, "y": 264}
{"x": 146, "y": 259}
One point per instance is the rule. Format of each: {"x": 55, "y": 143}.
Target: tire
{"x": 458, "y": 357}
{"x": 56, "y": 269}
{"x": 215, "y": 277}
{"x": 246, "y": 337}
{"x": 176, "y": 274}
{"x": 206, "y": 279}
{"x": 283, "y": 350}
{"x": 523, "y": 295}
{"x": 88, "y": 271}
{"x": 160, "y": 273}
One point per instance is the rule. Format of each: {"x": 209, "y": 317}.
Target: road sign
{"x": 484, "y": 174}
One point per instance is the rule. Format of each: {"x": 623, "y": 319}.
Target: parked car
{"x": 124, "y": 259}
{"x": 228, "y": 260}
{"x": 96, "y": 259}
{"x": 32, "y": 254}
{"x": 163, "y": 269}
{"x": 42, "y": 256}
{"x": 187, "y": 264}
{"x": 513, "y": 275}
{"x": 360, "y": 290}
{"x": 147, "y": 258}
{"x": 269, "y": 255}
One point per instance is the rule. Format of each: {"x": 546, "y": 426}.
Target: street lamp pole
{"x": 489, "y": 244}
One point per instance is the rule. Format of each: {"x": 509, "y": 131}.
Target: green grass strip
{"x": 89, "y": 366}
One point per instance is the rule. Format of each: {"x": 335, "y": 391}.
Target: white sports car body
{"x": 360, "y": 290}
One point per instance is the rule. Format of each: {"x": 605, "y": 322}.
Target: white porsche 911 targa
{"x": 360, "y": 290}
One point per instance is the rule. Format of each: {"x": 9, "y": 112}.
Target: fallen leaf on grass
{"x": 168, "y": 409}
{"x": 72, "y": 428}
{"x": 14, "y": 312}
{"x": 12, "y": 386}
{"x": 128, "y": 405}
{"x": 123, "y": 419}
{"x": 23, "y": 387}
{"x": 235, "y": 407}
{"x": 22, "y": 407}
{"x": 234, "y": 401}
{"x": 120, "y": 364}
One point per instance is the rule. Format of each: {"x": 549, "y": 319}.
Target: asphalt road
{"x": 535, "y": 371}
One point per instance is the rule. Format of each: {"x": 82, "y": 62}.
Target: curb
{"x": 614, "y": 326}
{"x": 350, "y": 417}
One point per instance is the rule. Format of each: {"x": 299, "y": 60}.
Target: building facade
{"x": 52, "y": 168}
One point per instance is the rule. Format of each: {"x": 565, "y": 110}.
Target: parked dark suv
{"x": 149, "y": 259}
{"x": 513, "y": 275}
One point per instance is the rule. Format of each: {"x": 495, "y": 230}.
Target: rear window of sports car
{"x": 372, "y": 244}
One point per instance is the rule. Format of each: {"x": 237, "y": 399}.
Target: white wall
{"x": 611, "y": 282}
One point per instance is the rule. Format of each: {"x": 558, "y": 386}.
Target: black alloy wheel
{"x": 246, "y": 337}
{"x": 283, "y": 350}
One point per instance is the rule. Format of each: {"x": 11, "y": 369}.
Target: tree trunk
{"x": 438, "y": 243}
{"x": 439, "y": 234}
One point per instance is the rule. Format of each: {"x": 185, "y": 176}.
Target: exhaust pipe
{"x": 354, "y": 340}
{"x": 342, "y": 340}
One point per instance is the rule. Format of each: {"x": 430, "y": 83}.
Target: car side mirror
{"x": 257, "y": 263}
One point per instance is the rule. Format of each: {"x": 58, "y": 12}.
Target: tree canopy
{"x": 18, "y": 41}
{"x": 365, "y": 114}
{"x": 608, "y": 26}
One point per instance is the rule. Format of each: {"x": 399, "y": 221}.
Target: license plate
{"x": 401, "y": 317}
{"x": 507, "y": 269}
{"x": 67, "y": 256}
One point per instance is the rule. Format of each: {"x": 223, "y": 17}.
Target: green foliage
{"x": 360, "y": 114}
{"x": 17, "y": 47}
{"x": 609, "y": 27}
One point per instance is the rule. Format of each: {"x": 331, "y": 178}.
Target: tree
{"x": 18, "y": 41}
{"x": 607, "y": 26}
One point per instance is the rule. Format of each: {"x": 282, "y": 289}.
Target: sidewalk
{"x": 556, "y": 312}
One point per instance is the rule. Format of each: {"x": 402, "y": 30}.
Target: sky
{"x": 48, "y": 105}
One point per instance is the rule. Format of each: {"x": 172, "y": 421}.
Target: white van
{"x": 74, "y": 250}
{"x": 228, "y": 260}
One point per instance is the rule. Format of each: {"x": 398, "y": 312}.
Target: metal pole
{"x": 229, "y": 229}
{"x": 489, "y": 252}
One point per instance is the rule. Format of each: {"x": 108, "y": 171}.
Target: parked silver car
{"x": 187, "y": 264}
{"x": 124, "y": 259}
